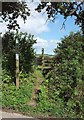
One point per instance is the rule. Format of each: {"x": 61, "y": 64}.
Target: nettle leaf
{"x": 71, "y": 103}
{"x": 75, "y": 92}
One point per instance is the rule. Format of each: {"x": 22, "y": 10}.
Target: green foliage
{"x": 61, "y": 94}
{"x": 48, "y": 106}
{"x": 43, "y": 103}
{"x": 25, "y": 50}
{"x": 16, "y": 99}
{"x": 19, "y": 99}
{"x": 66, "y": 9}
{"x": 12, "y": 10}
{"x": 67, "y": 77}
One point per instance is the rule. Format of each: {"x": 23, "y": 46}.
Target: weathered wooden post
{"x": 17, "y": 64}
{"x": 42, "y": 57}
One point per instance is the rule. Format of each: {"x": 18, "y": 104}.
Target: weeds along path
{"x": 36, "y": 89}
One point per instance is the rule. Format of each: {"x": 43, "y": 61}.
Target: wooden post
{"x": 17, "y": 65}
{"x": 42, "y": 57}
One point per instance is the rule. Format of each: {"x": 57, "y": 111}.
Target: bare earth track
{"x": 12, "y": 115}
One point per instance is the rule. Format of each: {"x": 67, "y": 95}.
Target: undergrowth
{"x": 18, "y": 99}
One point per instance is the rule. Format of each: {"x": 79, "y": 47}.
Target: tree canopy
{"x": 12, "y": 10}
{"x": 66, "y": 9}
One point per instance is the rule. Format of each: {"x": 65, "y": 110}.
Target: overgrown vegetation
{"x": 60, "y": 93}
{"x": 24, "y": 48}
{"x": 67, "y": 77}
{"x": 17, "y": 99}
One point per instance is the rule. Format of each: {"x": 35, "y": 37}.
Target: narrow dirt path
{"x": 36, "y": 90}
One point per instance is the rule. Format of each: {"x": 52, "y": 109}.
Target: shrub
{"x": 66, "y": 78}
{"x": 24, "y": 48}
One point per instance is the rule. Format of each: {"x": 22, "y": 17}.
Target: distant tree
{"x": 26, "y": 52}
{"x": 39, "y": 60}
{"x": 67, "y": 77}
